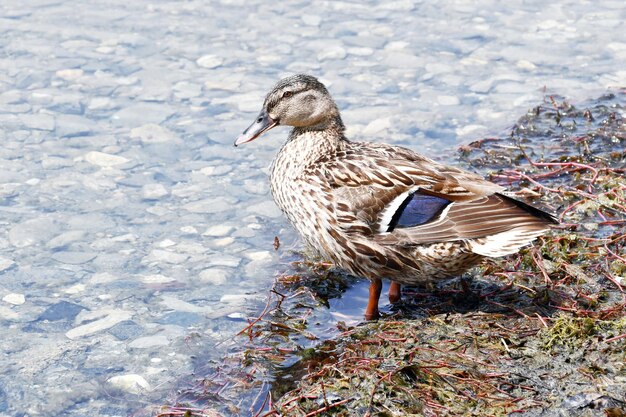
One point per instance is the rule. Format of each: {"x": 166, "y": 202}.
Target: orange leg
{"x": 394, "y": 292}
{"x": 371, "y": 312}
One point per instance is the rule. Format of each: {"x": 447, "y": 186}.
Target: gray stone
{"x": 5, "y": 263}
{"x": 131, "y": 383}
{"x": 97, "y": 321}
{"x": 153, "y": 191}
{"x": 180, "y": 318}
{"x": 152, "y": 133}
{"x": 14, "y": 298}
{"x": 39, "y": 121}
{"x": 125, "y": 330}
{"x": 215, "y": 276}
{"x": 63, "y": 310}
{"x": 149, "y": 342}
{"x": 104, "y": 159}
{"x": 73, "y": 257}
{"x": 210, "y": 61}
{"x": 70, "y": 125}
{"x": 66, "y": 238}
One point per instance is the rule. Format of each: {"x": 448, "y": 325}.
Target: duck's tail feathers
{"x": 505, "y": 243}
{"x": 549, "y": 218}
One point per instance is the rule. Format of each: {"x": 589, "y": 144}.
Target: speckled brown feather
{"x": 335, "y": 192}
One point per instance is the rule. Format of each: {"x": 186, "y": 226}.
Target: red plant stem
{"x": 569, "y": 208}
{"x": 257, "y": 414}
{"x": 263, "y": 313}
{"x": 614, "y": 281}
{"x": 521, "y": 313}
{"x": 539, "y": 262}
{"x": 614, "y": 254}
{"x": 621, "y": 336}
{"x": 542, "y": 320}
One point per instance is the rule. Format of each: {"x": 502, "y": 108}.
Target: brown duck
{"x": 383, "y": 211}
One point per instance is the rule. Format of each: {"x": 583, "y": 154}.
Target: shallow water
{"x": 135, "y": 238}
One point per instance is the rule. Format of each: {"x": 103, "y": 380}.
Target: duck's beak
{"x": 262, "y": 124}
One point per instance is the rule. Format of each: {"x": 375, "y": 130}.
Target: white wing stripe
{"x": 386, "y": 215}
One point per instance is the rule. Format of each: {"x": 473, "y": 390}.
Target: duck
{"x": 381, "y": 211}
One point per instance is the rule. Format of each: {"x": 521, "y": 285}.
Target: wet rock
{"x": 218, "y": 230}
{"x": 5, "y": 264}
{"x": 153, "y": 191}
{"x": 174, "y": 303}
{"x": 235, "y": 298}
{"x": 225, "y": 241}
{"x": 9, "y": 190}
{"x": 209, "y": 206}
{"x": 74, "y": 258}
{"x": 332, "y": 52}
{"x": 447, "y": 100}
{"x": 132, "y": 383}
{"x": 65, "y": 239}
{"x": 265, "y": 209}
{"x": 262, "y": 255}
{"x": 216, "y": 170}
{"x": 4, "y": 403}
{"x": 8, "y": 314}
{"x": 97, "y": 321}
{"x": 149, "y": 342}
{"x": 102, "y": 278}
{"x": 218, "y": 259}
{"x": 158, "y": 255}
{"x": 189, "y": 230}
{"x": 101, "y": 103}
{"x": 62, "y": 310}
{"x": 14, "y": 298}
{"x": 377, "y": 126}
{"x": 215, "y": 276}
{"x": 32, "y": 231}
{"x": 156, "y": 279}
{"x": 75, "y": 289}
{"x": 209, "y": 61}
{"x": 142, "y": 113}
{"x": 50, "y": 163}
{"x": 70, "y": 125}
{"x": 104, "y": 159}
{"x": 187, "y": 90}
{"x": 125, "y": 330}
{"x": 39, "y": 121}
{"x": 152, "y": 133}
{"x": 180, "y": 318}
{"x": 70, "y": 74}
{"x": 311, "y": 19}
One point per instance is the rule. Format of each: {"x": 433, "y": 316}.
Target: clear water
{"x": 134, "y": 237}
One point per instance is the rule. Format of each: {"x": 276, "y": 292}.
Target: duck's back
{"x": 380, "y": 210}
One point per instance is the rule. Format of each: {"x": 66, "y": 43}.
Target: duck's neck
{"x": 307, "y": 144}
{"x": 304, "y": 149}
{"x": 333, "y": 125}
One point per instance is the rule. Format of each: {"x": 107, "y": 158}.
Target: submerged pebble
{"x": 132, "y": 383}
{"x": 15, "y": 299}
{"x": 104, "y": 159}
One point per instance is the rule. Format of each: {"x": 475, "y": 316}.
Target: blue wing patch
{"x": 417, "y": 209}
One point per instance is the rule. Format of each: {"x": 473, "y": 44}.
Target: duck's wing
{"x": 399, "y": 197}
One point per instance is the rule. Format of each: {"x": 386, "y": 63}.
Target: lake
{"x": 135, "y": 239}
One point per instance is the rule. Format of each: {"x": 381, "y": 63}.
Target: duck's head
{"x": 299, "y": 101}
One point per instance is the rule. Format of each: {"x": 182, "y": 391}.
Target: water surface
{"x": 134, "y": 237}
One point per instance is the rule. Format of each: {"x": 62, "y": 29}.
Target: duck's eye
{"x": 287, "y": 94}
